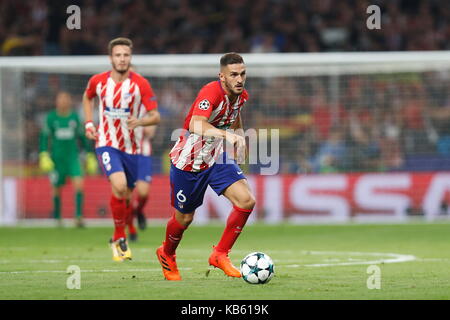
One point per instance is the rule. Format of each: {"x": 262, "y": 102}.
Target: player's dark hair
{"x": 230, "y": 58}
{"x": 119, "y": 41}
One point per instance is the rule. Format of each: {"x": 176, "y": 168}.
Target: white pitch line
{"x": 103, "y": 270}
{"x": 394, "y": 258}
{"x": 433, "y": 259}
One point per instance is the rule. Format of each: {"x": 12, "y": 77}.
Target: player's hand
{"x": 238, "y": 142}
{"x": 133, "y": 122}
{"x": 45, "y": 162}
{"x": 90, "y": 130}
{"x": 91, "y": 163}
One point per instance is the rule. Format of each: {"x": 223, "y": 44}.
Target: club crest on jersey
{"x": 204, "y": 105}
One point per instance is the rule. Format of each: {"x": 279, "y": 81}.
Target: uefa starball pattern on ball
{"x": 257, "y": 268}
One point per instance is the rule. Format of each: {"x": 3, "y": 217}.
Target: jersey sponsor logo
{"x": 204, "y": 105}
{"x": 117, "y": 113}
{"x": 239, "y": 172}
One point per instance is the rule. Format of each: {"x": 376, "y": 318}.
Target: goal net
{"x": 348, "y": 135}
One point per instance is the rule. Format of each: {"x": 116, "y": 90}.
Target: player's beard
{"x": 121, "y": 71}
{"x": 232, "y": 89}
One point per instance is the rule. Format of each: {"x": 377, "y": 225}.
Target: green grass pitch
{"x": 311, "y": 262}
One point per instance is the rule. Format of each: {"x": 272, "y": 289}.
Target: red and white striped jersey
{"x": 132, "y": 97}
{"x": 193, "y": 152}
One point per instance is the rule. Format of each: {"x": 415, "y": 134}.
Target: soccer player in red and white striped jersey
{"x": 121, "y": 93}
{"x": 199, "y": 160}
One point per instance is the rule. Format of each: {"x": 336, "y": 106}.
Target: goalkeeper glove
{"x": 91, "y": 163}
{"x": 45, "y": 162}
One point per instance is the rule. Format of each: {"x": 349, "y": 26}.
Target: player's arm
{"x": 238, "y": 128}
{"x": 149, "y": 102}
{"x": 151, "y": 118}
{"x": 88, "y": 107}
{"x": 87, "y": 144}
{"x": 200, "y": 125}
{"x": 150, "y": 131}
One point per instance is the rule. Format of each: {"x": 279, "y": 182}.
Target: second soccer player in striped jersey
{"x": 198, "y": 160}
{"x": 121, "y": 93}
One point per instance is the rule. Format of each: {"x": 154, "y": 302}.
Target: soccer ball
{"x": 257, "y": 268}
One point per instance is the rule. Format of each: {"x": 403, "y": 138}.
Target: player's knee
{"x": 246, "y": 202}
{"x": 184, "y": 219}
{"x": 187, "y": 219}
{"x": 143, "y": 192}
{"x": 120, "y": 190}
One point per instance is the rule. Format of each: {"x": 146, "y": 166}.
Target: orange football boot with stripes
{"x": 222, "y": 261}
{"x": 168, "y": 265}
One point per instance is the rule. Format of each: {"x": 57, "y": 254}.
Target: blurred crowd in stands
{"x": 38, "y": 27}
{"x": 389, "y": 122}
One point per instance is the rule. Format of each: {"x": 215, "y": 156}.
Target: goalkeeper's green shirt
{"x": 63, "y": 136}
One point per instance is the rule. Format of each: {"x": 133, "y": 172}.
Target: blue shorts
{"x": 112, "y": 160}
{"x": 144, "y": 168}
{"x": 188, "y": 188}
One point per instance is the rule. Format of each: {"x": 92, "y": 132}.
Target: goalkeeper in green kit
{"x": 59, "y": 152}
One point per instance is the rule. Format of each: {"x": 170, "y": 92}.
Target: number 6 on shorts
{"x": 181, "y": 197}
